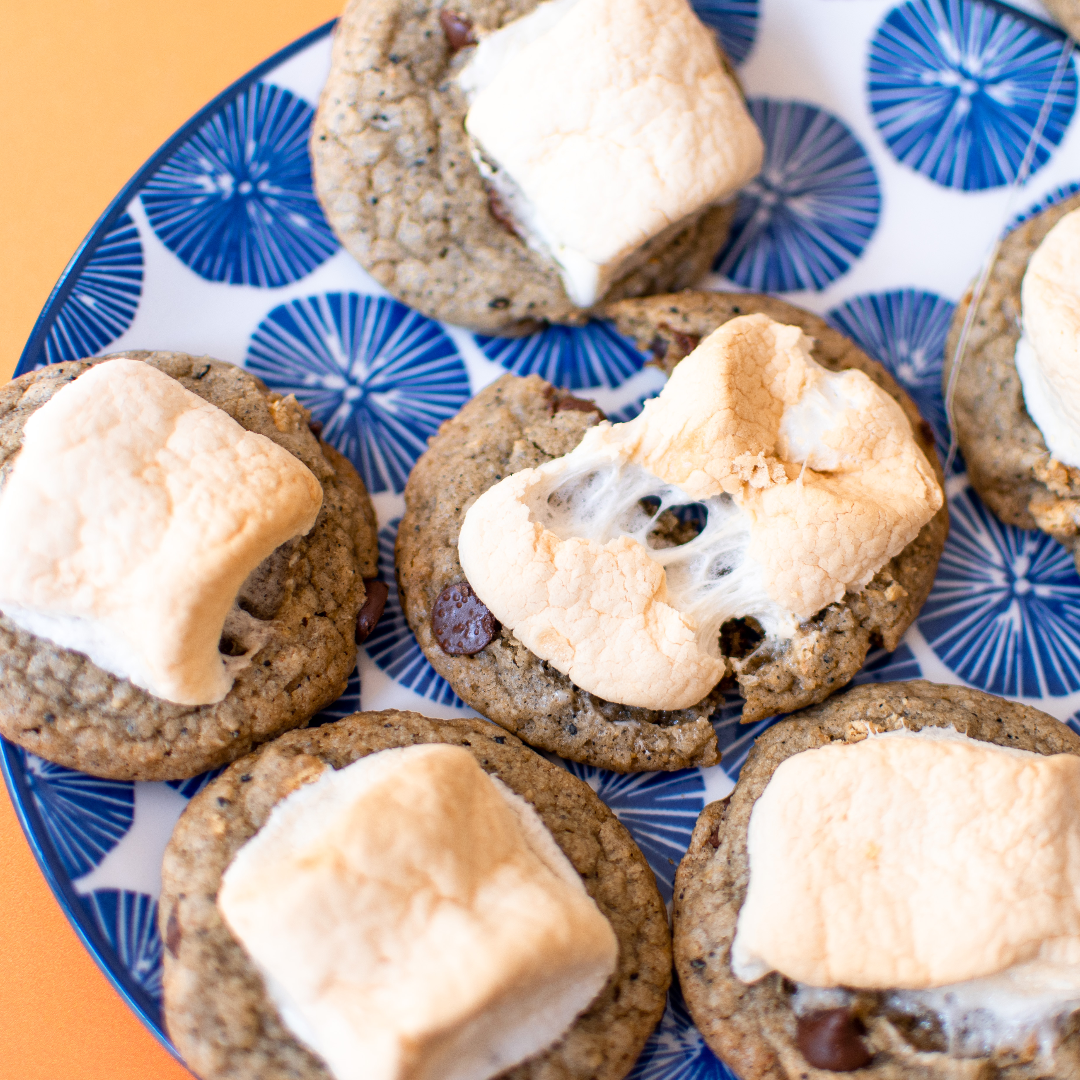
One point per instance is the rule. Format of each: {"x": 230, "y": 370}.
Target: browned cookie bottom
{"x": 216, "y": 1009}
{"x": 753, "y": 1027}
{"x": 297, "y": 622}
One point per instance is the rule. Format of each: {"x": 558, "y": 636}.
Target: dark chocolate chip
{"x": 500, "y": 303}
{"x": 462, "y": 625}
{"x": 458, "y": 29}
{"x": 172, "y": 933}
{"x": 372, "y": 610}
{"x": 501, "y": 740}
{"x": 927, "y": 432}
{"x": 315, "y": 427}
{"x": 714, "y": 836}
{"x": 687, "y": 342}
{"x": 831, "y": 1039}
{"x": 500, "y": 212}
{"x": 569, "y": 403}
{"x": 201, "y": 373}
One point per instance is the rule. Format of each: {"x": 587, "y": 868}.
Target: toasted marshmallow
{"x": 132, "y": 515}
{"x": 1048, "y": 353}
{"x": 413, "y": 919}
{"x": 604, "y": 124}
{"x": 811, "y": 480}
{"x": 912, "y": 861}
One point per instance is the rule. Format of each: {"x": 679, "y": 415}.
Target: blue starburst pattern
{"x": 957, "y": 86}
{"x": 811, "y": 211}
{"x": 104, "y": 299}
{"x": 128, "y": 921}
{"x": 574, "y": 357}
{"x": 84, "y": 816}
{"x": 733, "y": 738}
{"x": 659, "y": 811}
{"x": 392, "y": 645}
{"x": 735, "y": 23}
{"x": 1060, "y": 194}
{"x": 676, "y": 1050}
{"x": 905, "y": 330}
{"x": 379, "y": 377}
{"x": 235, "y": 202}
{"x": 193, "y": 785}
{"x": 1004, "y": 614}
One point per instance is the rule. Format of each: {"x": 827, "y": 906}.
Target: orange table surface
{"x": 88, "y": 90}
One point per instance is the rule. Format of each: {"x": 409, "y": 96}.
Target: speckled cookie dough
{"x": 216, "y": 1010}
{"x": 1008, "y": 463}
{"x": 301, "y": 602}
{"x": 394, "y": 174}
{"x": 752, "y": 1027}
{"x": 1066, "y": 12}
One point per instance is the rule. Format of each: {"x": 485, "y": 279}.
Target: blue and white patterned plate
{"x": 895, "y": 133}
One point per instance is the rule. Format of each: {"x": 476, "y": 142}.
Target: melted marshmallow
{"x": 912, "y": 862}
{"x": 811, "y": 481}
{"x": 586, "y": 113}
{"x": 1048, "y": 353}
{"x": 133, "y": 514}
{"x": 413, "y": 919}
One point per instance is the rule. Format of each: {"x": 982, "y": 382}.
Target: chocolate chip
{"x": 831, "y": 1039}
{"x": 500, "y": 303}
{"x": 569, "y": 403}
{"x": 500, "y": 739}
{"x": 714, "y": 836}
{"x": 462, "y": 625}
{"x": 315, "y": 427}
{"x": 372, "y": 610}
{"x": 687, "y": 343}
{"x": 172, "y": 933}
{"x": 458, "y": 29}
{"x": 500, "y": 212}
{"x": 927, "y": 432}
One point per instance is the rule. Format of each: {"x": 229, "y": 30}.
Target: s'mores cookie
{"x": 891, "y": 890}
{"x": 504, "y": 165}
{"x": 183, "y": 563}
{"x": 391, "y": 896}
{"x": 548, "y": 576}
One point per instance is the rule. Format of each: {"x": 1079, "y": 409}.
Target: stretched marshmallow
{"x": 811, "y": 480}
{"x": 414, "y": 920}
{"x": 1048, "y": 353}
{"x": 604, "y": 124}
{"x": 133, "y": 514}
{"x": 911, "y": 862}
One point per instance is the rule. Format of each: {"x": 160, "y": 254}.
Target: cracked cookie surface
{"x": 216, "y": 1009}
{"x": 752, "y": 1026}
{"x": 393, "y": 170}
{"x": 297, "y": 611}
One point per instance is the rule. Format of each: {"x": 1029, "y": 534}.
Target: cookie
{"x": 216, "y": 1009}
{"x": 521, "y": 423}
{"x": 393, "y": 171}
{"x": 1008, "y": 463}
{"x": 1067, "y": 13}
{"x": 752, "y": 1027}
{"x": 304, "y": 600}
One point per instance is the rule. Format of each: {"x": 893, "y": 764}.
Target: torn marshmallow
{"x": 811, "y": 481}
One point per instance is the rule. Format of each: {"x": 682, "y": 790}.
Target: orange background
{"x": 88, "y": 90}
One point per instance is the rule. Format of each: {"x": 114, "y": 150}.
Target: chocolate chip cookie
{"x": 396, "y": 180}
{"x": 216, "y": 1009}
{"x": 754, "y": 1028}
{"x": 1008, "y": 463}
{"x": 521, "y": 423}
{"x": 295, "y": 617}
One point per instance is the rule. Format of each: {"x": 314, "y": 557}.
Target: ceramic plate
{"x": 895, "y": 135}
